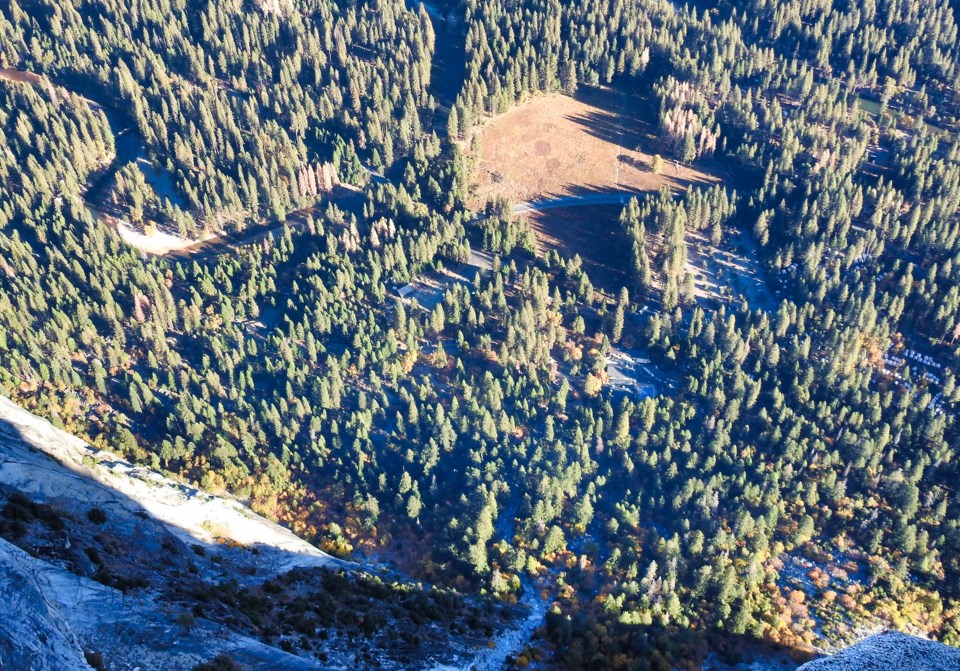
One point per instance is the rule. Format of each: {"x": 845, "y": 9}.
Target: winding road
{"x": 611, "y": 198}
{"x": 130, "y": 148}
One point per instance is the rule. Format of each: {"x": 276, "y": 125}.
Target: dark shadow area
{"x": 633, "y": 162}
{"x": 630, "y": 120}
{"x": 583, "y": 191}
{"x": 612, "y": 128}
{"x": 663, "y": 647}
{"x": 594, "y": 234}
{"x": 623, "y": 117}
{"x": 579, "y": 195}
{"x": 349, "y": 200}
{"x": 448, "y": 69}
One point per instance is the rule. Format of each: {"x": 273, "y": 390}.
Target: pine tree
{"x": 453, "y": 125}
{"x": 569, "y": 78}
{"x": 656, "y": 165}
{"x": 616, "y": 331}
{"x": 689, "y": 152}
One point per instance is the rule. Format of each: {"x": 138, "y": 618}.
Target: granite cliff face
{"x": 109, "y": 565}
{"x": 110, "y": 559}
{"x": 890, "y": 651}
{"x": 33, "y": 634}
{"x": 108, "y": 586}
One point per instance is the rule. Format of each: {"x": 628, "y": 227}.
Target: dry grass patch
{"x": 554, "y": 145}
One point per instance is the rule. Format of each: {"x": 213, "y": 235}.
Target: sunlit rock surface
{"x": 890, "y": 651}
{"x": 33, "y": 634}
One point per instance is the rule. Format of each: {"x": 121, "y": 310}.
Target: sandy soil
{"x": 157, "y": 243}
{"x": 554, "y": 145}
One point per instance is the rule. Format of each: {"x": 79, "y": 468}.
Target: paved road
{"x": 613, "y": 198}
{"x": 228, "y": 244}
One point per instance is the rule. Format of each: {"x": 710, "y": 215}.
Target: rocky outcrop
{"x": 63, "y": 598}
{"x": 890, "y": 651}
{"x": 33, "y": 634}
{"x": 49, "y": 464}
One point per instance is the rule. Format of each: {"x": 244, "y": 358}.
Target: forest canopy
{"x": 792, "y": 479}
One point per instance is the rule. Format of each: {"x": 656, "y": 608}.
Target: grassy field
{"x": 554, "y": 145}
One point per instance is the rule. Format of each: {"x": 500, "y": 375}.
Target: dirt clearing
{"x": 602, "y": 139}
{"x": 731, "y": 269}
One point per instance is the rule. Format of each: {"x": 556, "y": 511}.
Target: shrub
{"x": 219, "y": 663}
{"x": 95, "y": 659}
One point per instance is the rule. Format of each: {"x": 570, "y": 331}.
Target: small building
{"x": 406, "y": 290}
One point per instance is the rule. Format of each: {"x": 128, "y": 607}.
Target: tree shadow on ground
{"x": 630, "y": 120}
{"x": 662, "y": 648}
{"x": 593, "y": 233}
